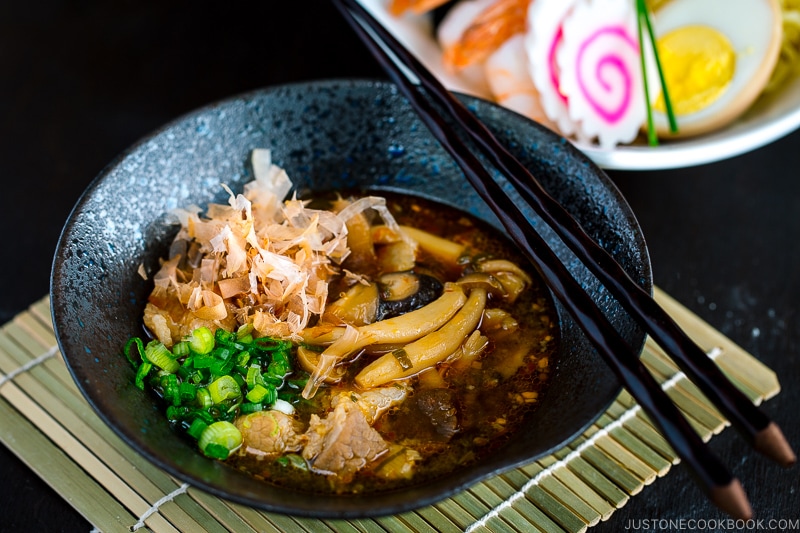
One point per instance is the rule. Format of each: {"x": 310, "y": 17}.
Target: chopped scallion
{"x": 292, "y": 460}
{"x": 201, "y": 340}
{"x": 159, "y": 355}
{"x": 187, "y": 392}
{"x": 203, "y": 398}
{"x": 209, "y": 379}
{"x": 196, "y": 428}
{"x": 402, "y": 358}
{"x": 258, "y": 394}
{"x": 220, "y": 436}
{"x": 224, "y": 388}
{"x": 134, "y": 341}
{"x": 181, "y": 349}
{"x": 142, "y": 372}
{"x": 248, "y": 407}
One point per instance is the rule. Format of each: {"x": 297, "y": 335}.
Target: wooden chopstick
{"x": 761, "y": 432}
{"x": 725, "y": 491}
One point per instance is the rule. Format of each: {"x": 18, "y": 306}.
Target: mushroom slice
{"x": 402, "y": 292}
{"x": 357, "y": 307}
{"x": 404, "y": 328}
{"x": 503, "y": 265}
{"x": 483, "y": 281}
{"x": 427, "y": 351}
{"x": 509, "y": 275}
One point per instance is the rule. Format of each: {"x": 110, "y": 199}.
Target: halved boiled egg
{"x": 716, "y": 56}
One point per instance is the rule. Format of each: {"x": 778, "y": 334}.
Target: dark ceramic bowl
{"x": 327, "y": 135}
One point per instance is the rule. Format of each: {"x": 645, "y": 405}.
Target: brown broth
{"x": 490, "y": 403}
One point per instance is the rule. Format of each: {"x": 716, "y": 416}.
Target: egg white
{"x": 754, "y": 29}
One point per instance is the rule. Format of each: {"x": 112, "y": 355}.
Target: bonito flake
{"x": 259, "y": 260}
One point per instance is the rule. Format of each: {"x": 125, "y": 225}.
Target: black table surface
{"x": 81, "y": 80}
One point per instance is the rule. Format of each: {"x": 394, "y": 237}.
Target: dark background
{"x": 81, "y": 80}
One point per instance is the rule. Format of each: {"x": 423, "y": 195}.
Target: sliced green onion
{"x": 402, "y": 358}
{"x": 203, "y": 398}
{"x": 268, "y": 344}
{"x": 204, "y": 415}
{"x": 134, "y": 341}
{"x": 245, "y": 331}
{"x": 175, "y": 412}
{"x": 242, "y": 360}
{"x": 216, "y": 451}
{"x": 254, "y": 376}
{"x": 197, "y": 377}
{"x": 247, "y": 407}
{"x": 223, "y": 353}
{"x": 257, "y": 394}
{"x": 185, "y": 372}
{"x": 170, "y": 389}
{"x": 181, "y": 349}
{"x": 201, "y": 340}
{"x": 227, "y": 339}
{"x": 187, "y": 392}
{"x": 219, "y": 439}
{"x": 159, "y": 355}
{"x": 292, "y": 460}
{"x": 142, "y": 372}
{"x": 196, "y": 428}
{"x": 222, "y": 367}
{"x": 203, "y": 361}
{"x": 205, "y": 379}
{"x": 299, "y": 383}
{"x": 279, "y": 366}
{"x": 224, "y": 388}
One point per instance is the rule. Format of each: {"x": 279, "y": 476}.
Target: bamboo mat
{"x": 48, "y": 424}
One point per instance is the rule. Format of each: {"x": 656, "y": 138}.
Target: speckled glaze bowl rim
{"x": 451, "y": 488}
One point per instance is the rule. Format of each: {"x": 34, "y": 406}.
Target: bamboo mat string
{"x": 27, "y": 366}
{"x": 157, "y": 505}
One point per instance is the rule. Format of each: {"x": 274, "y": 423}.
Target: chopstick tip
{"x": 771, "y": 442}
{"x": 732, "y": 499}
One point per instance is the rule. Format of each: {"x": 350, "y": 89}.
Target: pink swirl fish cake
{"x": 600, "y": 71}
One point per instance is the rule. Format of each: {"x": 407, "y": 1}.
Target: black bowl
{"x": 327, "y": 135}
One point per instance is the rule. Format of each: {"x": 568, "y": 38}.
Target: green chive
{"x": 673, "y": 124}
{"x": 643, "y": 18}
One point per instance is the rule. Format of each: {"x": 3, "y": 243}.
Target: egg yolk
{"x": 698, "y": 63}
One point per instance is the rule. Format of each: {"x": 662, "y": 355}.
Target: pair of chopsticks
{"x": 425, "y": 94}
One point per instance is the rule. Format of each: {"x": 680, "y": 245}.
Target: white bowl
{"x": 770, "y": 118}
